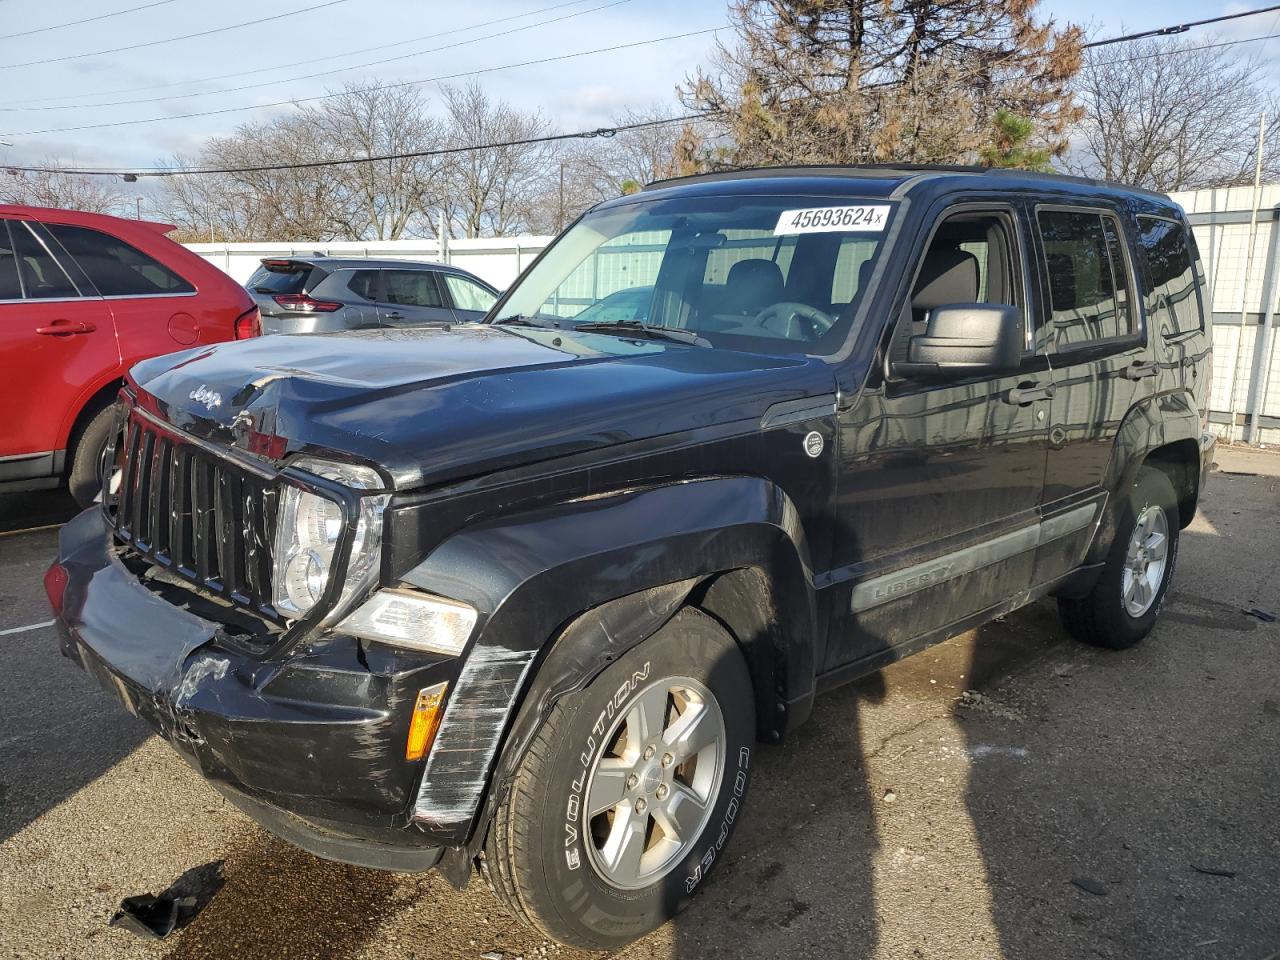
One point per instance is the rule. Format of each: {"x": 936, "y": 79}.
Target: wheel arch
{"x": 91, "y": 406}
{"x": 1162, "y": 432}
{"x": 564, "y": 591}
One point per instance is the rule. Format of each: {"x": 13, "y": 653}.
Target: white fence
{"x": 1220, "y": 219}
{"x": 498, "y": 260}
{"x": 1251, "y": 386}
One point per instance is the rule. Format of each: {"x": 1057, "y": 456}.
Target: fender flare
{"x": 614, "y": 566}
{"x": 1153, "y": 422}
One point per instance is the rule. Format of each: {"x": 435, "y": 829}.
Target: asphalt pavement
{"x": 1007, "y": 794}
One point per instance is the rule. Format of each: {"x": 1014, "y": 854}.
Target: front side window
{"x": 411, "y": 288}
{"x": 761, "y": 273}
{"x": 1088, "y": 278}
{"x": 42, "y": 276}
{"x": 971, "y": 258}
{"x": 116, "y": 268}
{"x": 1172, "y": 296}
{"x": 468, "y": 295}
{"x": 10, "y": 289}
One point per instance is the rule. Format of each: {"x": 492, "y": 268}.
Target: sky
{"x": 279, "y": 60}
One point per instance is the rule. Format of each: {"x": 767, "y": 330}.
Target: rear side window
{"x": 411, "y": 288}
{"x": 468, "y": 295}
{"x": 42, "y": 276}
{"x": 117, "y": 269}
{"x": 273, "y": 282}
{"x": 1172, "y": 296}
{"x": 10, "y": 289}
{"x": 1089, "y": 288}
{"x": 364, "y": 284}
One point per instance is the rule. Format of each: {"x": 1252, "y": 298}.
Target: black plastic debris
{"x": 1266, "y": 616}
{"x": 1089, "y": 885}
{"x": 155, "y": 916}
{"x": 1213, "y": 871}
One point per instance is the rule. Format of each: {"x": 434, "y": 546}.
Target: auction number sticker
{"x": 864, "y": 217}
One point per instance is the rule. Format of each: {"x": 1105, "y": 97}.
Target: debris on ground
{"x": 1089, "y": 885}
{"x": 1213, "y": 871}
{"x": 1266, "y": 616}
{"x": 981, "y": 703}
{"x": 493, "y": 955}
{"x": 890, "y": 796}
{"x": 155, "y": 916}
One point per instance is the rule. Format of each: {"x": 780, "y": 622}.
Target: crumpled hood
{"x": 433, "y": 404}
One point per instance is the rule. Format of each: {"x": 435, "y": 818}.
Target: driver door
{"x": 936, "y": 508}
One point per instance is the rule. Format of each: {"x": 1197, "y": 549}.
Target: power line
{"x": 285, "y": 66}
{"x": 388, "y": 86}
{"x": 602, "y": 132}
{"x": 76, "y": 23}
{"x": 186, "y": 36}
{"x": 324, "y": 73}
{"x": 1182, "y": 50}
{"x": 1179, "y": 27}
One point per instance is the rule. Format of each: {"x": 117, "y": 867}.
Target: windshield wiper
{"x": 654, "y": 331}
{"x": 520, "y": 320}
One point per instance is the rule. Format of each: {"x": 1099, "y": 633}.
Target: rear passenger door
{"x": 411, "y": 297}
{"x": 470, "y": 300}
{"x": 1090, "y": 329}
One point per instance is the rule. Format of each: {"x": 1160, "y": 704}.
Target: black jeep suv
{"x": 526, "y": 593}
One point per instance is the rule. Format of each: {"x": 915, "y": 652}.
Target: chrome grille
{"x": 187, "y": 509}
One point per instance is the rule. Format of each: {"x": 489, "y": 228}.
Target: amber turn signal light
{"x": 426, "y": 720}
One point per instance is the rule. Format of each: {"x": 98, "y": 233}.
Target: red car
{"x": 83, "y": 297}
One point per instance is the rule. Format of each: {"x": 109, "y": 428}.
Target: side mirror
{"x": 966, "y": 340}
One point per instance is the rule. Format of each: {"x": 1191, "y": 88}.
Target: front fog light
{"x": 407, "y": 618}
{"x": 307, "y": 531}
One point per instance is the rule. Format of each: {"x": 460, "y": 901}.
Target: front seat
{"x": 751, "y": 286}
{"x": 948, "y": 275}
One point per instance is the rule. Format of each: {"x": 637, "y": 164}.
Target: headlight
{"x": 307, "y": 530}
{"x": 407, "y": 618}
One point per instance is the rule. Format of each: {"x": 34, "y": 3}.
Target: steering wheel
{"x": 783, "y": 318}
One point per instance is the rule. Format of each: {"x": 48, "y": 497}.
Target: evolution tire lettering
{"x": 573, "y": 830}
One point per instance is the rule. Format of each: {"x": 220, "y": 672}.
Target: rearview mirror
{"x": 966, "y": 340}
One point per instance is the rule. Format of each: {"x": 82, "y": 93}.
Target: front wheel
{"x": 629, "y": 790}
{"x": 1124, "y": 604}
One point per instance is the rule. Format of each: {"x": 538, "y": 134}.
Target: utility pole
{"x": 444, "y": 238}
{"x": 560, "y": 209}
{"x": 137, "y": 203}
{"x": 208, "y": 205}
{"x": 1248, "y": 268}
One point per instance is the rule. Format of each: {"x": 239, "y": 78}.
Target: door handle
{"x": 1141, "y": 368}
{"x": 62, "y": 328}
{"x": 1029, "y": 392}
{"x": 395, "y": 315}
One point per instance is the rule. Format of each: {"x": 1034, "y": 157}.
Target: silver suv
{"x": 326, "y": 294}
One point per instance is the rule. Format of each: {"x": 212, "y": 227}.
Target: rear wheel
{"x": 629, "y": 790}
{"x": 84, "y": 478}
{"x": 1124, "y": 604}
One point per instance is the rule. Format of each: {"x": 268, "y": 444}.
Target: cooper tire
{"x": 546, "y": 857}
{"x": 1109, "y": 616}
{"x": 84, "y": 478}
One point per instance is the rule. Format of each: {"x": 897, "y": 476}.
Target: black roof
{"x": 885, "y": 178}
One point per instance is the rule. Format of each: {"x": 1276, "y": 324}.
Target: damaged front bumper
{"x": 311, "y": 746}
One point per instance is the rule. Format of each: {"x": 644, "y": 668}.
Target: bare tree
{"x": 67, "y": 191}
{"x": 303, "y": 198}
{"x": 1163, "y": 114}
{"x": 492, "y": 191}
{"x": 814, "y": 81}
{"x": 585, "y": 172}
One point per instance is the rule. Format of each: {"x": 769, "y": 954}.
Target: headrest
{"x": 1062, "y": 281}
{"x": 751, "y": 286}
{"x": 949, "y": 275}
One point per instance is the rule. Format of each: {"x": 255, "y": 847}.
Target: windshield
{"x": 769, "y": 274}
